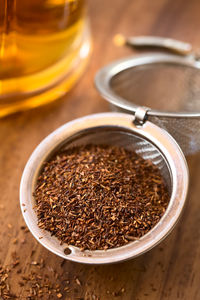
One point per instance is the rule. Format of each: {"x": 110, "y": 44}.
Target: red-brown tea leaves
{"x": 99, "y": 197}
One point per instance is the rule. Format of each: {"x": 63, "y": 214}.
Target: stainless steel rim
{"x": 163, "y": 142}
{"x": 104, "y": 76}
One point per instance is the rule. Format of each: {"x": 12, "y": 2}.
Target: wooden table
{"x": 169, "y": 271}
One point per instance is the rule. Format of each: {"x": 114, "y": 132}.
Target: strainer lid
{"x": 168, "y": 85}
{"x": 121, "y": 73}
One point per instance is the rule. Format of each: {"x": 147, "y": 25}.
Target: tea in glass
{"x": 43, "y": 50}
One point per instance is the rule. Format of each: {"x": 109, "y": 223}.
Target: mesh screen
{"x": 166, "y": 87}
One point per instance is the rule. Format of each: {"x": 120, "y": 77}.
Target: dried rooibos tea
{"x": 99, "y": 197}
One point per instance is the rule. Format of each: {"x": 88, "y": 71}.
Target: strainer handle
{"x": 168, "y": 44}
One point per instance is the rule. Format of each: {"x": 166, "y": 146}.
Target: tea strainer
{"x": 132, "y": 132}
{"x": 168, "y": 85}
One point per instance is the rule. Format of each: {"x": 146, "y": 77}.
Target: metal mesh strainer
{"x": 161, "y": 86}
{"x": 120, "y": 129}
{"x": 167, "y": 84}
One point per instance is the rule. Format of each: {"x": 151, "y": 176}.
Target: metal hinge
{"x": 140, "y": 115}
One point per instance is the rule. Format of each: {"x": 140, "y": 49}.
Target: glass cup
{"x": 44, "y": 47}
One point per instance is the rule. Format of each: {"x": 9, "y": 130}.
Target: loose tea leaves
{"x": 5, "y": 292}
{"x": 99, "y": 197}
{"x": 34, "y": 285}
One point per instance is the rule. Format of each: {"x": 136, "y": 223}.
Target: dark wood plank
{"x": 169, "y": 271}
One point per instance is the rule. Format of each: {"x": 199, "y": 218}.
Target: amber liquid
{"x": 43, "y": 45}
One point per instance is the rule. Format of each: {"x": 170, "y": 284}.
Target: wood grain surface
{"x": 169, "y": 271}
